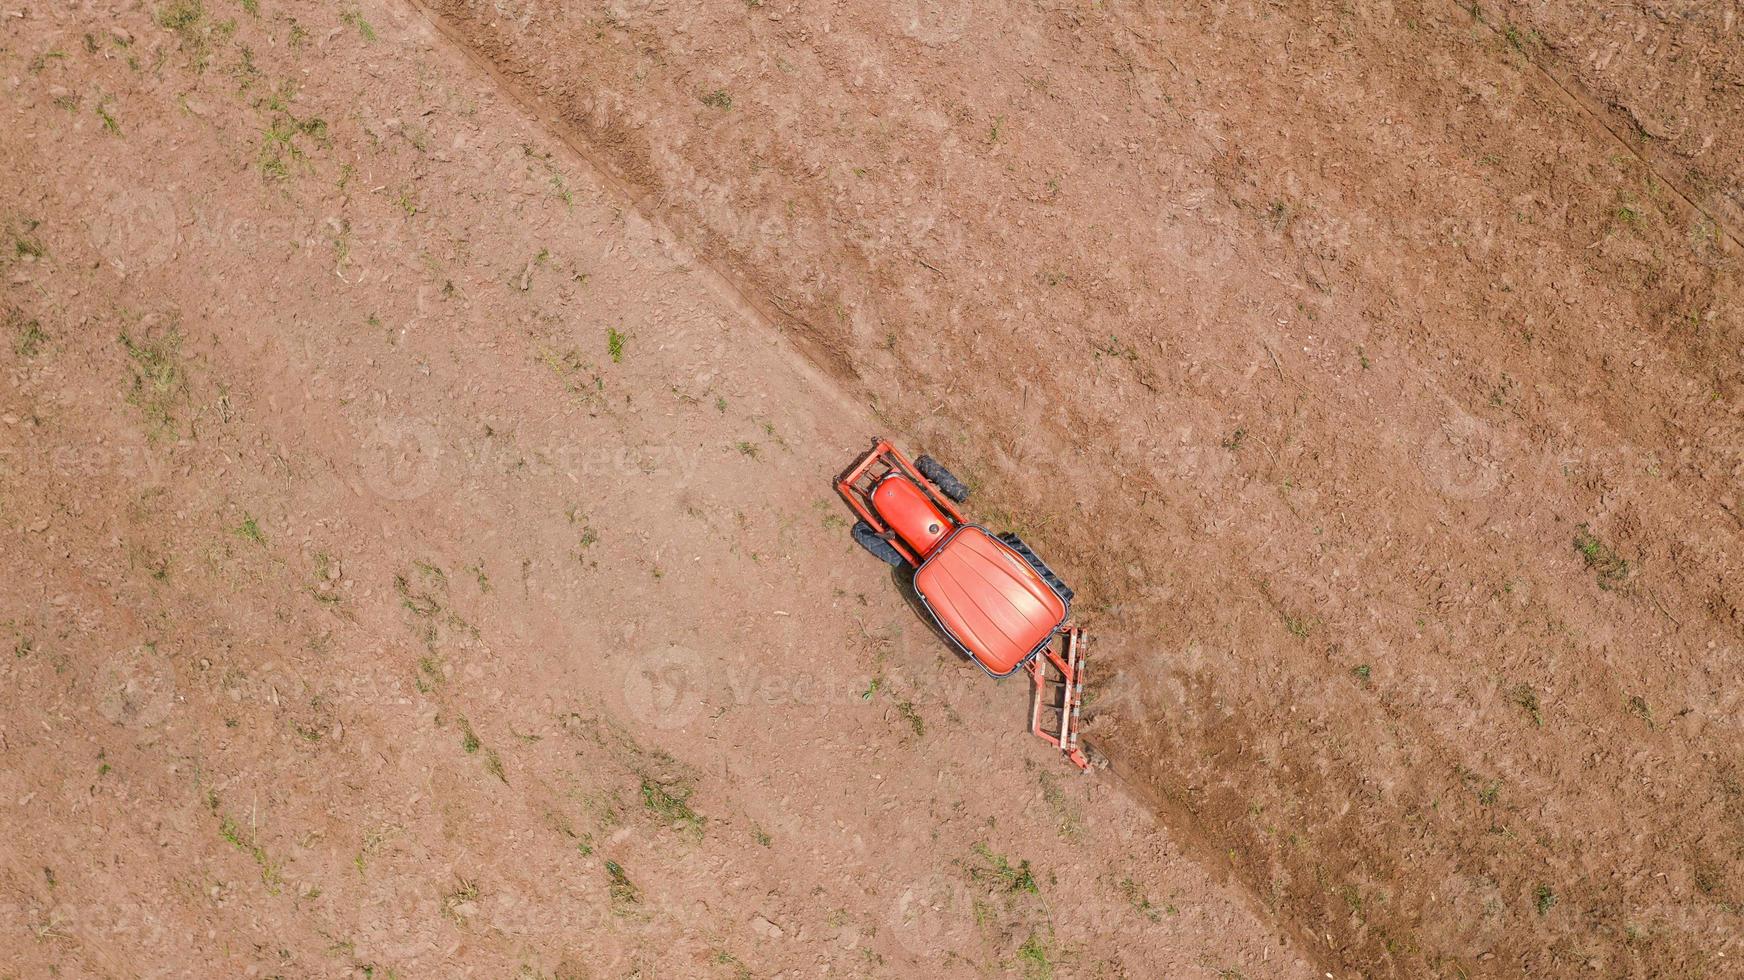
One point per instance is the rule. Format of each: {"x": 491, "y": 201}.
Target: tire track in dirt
{"x": 1203, "y": 849}
{"x": 420, "y": 467}
{"x": 1345, "y": 221}
{"x": 1606, "y": 115}
{"x": 637, "y": 188}
{"x": 764, "y": 311}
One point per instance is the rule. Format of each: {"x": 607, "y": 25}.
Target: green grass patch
{"x": 354, "y": 18}
{"x": 1639, "y": 707}
{"x": 197, "y": 34}
{"x": 1035, "y": 959}
{"x": 1523, "y": 697}
{"x": 1001, "y": 873}
{"x": 1141, "y": 903}
{"x": 428, "y": 675}
{"x": 271, "y": 874}
{"x": 671, "y": 804}
{"x": 916, "y": 723}
{"x": 159, "y": 381}
{"x": 493, "y": 764}
{"x": 28, "y": 339}
{"x": 26, "y": 244}
{"x": 622, "y": 890}
{"x": 1543, "y": 899}
{"x": 579, "y": 376}
{"x": 284, "y": 134}
{"x": 111, "y": 125}
{"x": 1610, "y": 568}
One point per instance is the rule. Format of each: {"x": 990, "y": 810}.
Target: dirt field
{"x": 421, "y": 560}
{"x": 419, "y": 566}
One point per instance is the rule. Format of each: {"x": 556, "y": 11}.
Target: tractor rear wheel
{"x": 942, "y": 478}
{"x": 881, "y": 549}
{"x": 1035, "y": 561}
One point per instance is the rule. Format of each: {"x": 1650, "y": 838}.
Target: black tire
{"x": 881, "y": 549}
{"x": 1041, "y": 567}
{"x": 942, "y": 478}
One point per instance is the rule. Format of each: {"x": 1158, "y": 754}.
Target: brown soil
{"x": 1663, "y": 77}
{"x": 371, "y": 611}
{"x": 1373, "y": 373}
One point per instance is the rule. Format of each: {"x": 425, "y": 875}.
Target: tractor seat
{"x": 987, "y": 598}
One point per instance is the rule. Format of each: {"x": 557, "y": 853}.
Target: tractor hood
{"x": 988, "y": 599}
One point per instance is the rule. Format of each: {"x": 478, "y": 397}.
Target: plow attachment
{"x": 1059, "y": 694}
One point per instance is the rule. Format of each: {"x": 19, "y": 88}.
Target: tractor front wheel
{"x": 953, "y": 488}
{"x": 881, "y": 549}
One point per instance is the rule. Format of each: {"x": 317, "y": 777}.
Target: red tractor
{"x": 990, "y": 594}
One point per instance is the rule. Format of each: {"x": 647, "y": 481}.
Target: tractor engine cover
{"x": 990, "y": 600}
{"x": 910, "y": 513}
